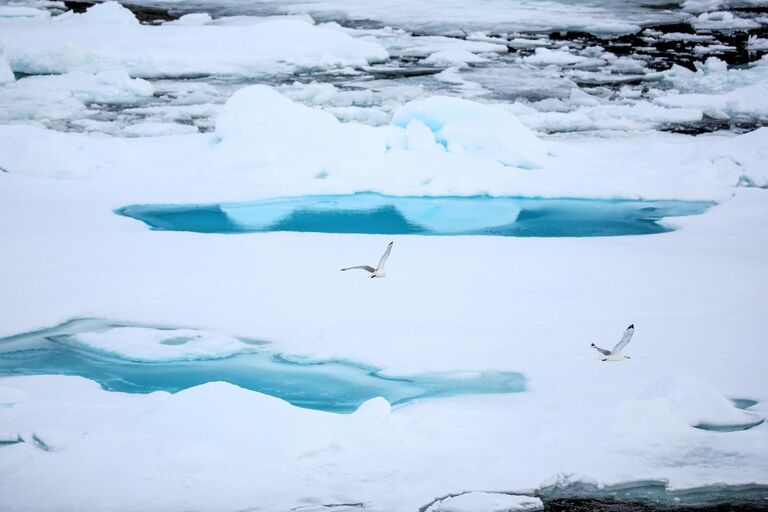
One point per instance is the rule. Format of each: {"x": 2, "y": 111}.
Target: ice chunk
{"x": 545, "y": 57}
{"x": 722, "y": 20}
{"x": 698, "y": 404}
{"x": 713, "y": 76}
{"x": 487, "y": 502}
{"x": 373, "y": 410}
{"x": 147, "y": 344}
{"x": 111, "y": 13}
{"x": 194, "y": 18}
{"x": 464, "y": 126}
{"x": 751, "y": 101}
{"x": 108, "y": 36}
{"x": 456, "y": 57}
{"x": 258, "y": 122}
{"x": 755, "y": 43}
{"x": 51, "y": 97}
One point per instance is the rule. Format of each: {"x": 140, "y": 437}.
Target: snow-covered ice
{"x": 240, "y": 102}
{"x": 109, "y": 36}
{"x": 143, "y": 344}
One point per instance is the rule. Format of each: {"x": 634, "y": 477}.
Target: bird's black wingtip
{"x": 631, "y": 326}
{"x": 592, "y": 345}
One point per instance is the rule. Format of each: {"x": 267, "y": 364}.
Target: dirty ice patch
{"x": 153, "y": 345}
{"x": 108, "y": 36}
{"x": 467, "y": 127}
{"x": 487, "y": 502}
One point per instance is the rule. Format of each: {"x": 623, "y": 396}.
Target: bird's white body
{"x": 615, "y": 354}
{"x": 615, "y": 357}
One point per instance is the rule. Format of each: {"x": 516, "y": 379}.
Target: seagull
{"x": 379, "y": 270}
{"x": 615, "y": 354}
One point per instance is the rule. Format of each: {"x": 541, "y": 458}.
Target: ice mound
{"x": 107, "y": 36}
{"x": 463, "y": 126}
{"x": 545, "y": 57}
{"x": 374, "y": 410}
{"x": 460, "y": 58}
{"x": 487, "y": 502}
{"x": 239, "y": 419}
{"x": 111, "y": 13}
{"x": 742, "y": 160}
{"x": 722, "y": 20}
{"x": 698, "y": 404}
{"x": 193, "y": 18}
{"x": 260, "y": 123}
{"x": 153, "y": 345}
{"x": 713, "y": 76}
{"x": 751, "y": 101}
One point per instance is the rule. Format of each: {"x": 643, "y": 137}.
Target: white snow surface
{"x": 516, "y": 304}
{"x": 108, "y": 36}
{"x": 6, "y": 73}
{"x": 146, "y": 344}
{"x": 448, "y": 304}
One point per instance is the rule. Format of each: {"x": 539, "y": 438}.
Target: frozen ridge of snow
{"x": 108, "y": 36}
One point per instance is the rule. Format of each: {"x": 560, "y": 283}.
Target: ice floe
{"x": 145, "y": 344}
{"x": 466, "y": 127}
{"x": 108, "y": 36}
{"x": 47, "y": 98}
{"x": 487, "y": 502}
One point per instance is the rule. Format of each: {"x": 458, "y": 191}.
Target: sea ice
{"x": 487, "y": 502}
{"x": 464, "y": 126}
{"x": 546, "y": 57}
{"x": 108, "y": 36}
{"x": 145, "y": 344}
{"x": 51, "y": 97}
{"x": 696, "y": 403}
{"x": 259, "y": 123}
{"x": 194, "y": 18}
{"x": 459, "y": 58}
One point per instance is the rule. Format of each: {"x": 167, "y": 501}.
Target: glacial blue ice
{"x": 379, "y": 214}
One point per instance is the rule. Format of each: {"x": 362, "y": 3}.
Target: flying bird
{"x": 615, "y": 354}
{"x": 379, "y": 270}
